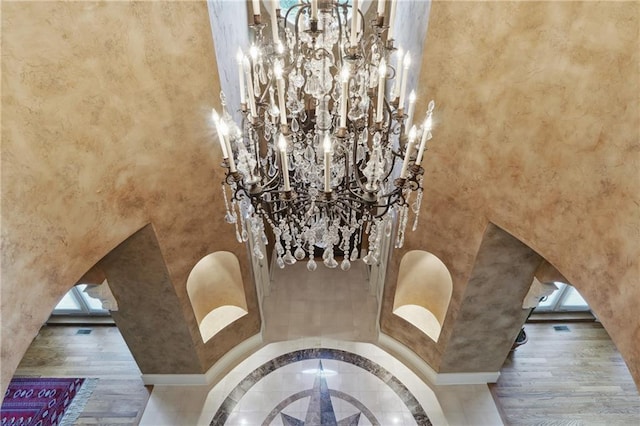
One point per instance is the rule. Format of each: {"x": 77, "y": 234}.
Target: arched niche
{"x": 216, "y": 292}
{"x": 423, "y": 292}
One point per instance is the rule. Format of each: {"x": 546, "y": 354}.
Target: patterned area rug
{"x": 45, "y": 401}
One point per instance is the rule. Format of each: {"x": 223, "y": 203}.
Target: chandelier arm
{"x": 388, "y": 205}
{"x": 268, "y": 186}
{"x": 255, "y": 138}
{"x": 263, "y": 96}
{"x": 339, "y": 45}
{"x": 397, "y": 190}
{"x": 348, "y": 206}
{"x": 361, "y": 23}
{"x": 237, "y": 194}
{"x": 394, "y": 156}
{"x": 303, "y": 7}
{"x": 286, "y": 15}
{"x": 356, "y": 171}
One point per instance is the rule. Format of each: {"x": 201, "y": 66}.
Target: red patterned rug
{"x": 44, "y": 401}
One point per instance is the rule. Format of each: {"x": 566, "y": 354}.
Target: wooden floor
{"x": 574, "y": 377}
{"x": 58, "y": 351}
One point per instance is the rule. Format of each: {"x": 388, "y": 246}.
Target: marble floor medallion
{"x": 320, "y": 387}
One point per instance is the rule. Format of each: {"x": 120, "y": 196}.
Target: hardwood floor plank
{"x": 574, "y": 377}
{"x": 58, "y": 351}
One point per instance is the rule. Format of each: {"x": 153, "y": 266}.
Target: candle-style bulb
{"x": 277, "y": 70}
{"x": 412, "y": 107}
{"x": 327, "y": 143}
{"x": 327, "y": 163}
{"x": 224, "y": 129}
{"x": 412, "y": 134}
{"x": 214, "y": 115}
{"x": 428, "y": 123}
{"x": 407, "y": 60}
{"x": 345, "y": 74}
{"x": 382, "y": 69}
{"x": 253, "y": 52}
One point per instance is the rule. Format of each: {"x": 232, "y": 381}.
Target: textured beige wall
{"x": 105, "y": 111}
{"x": 537, "y": 130}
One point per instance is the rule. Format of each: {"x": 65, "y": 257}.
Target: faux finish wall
{"x": 536, "y": 130}
{"x": 105, "y": 109}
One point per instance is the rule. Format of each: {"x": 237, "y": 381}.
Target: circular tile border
{"x": 389, "y": 379}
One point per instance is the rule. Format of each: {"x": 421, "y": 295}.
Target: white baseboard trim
{"x": 174, "y": 379}
{"x": 479, "y": 378}
{"x": 424, "y": 370}
{"x": 215, "y": 373}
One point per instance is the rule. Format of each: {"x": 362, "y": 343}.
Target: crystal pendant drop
{"x": 288, "y": 258}
{"x": 311, "y": 265}
{"x": 294, "y": 125}
{"x": 229, "y": 218}
{"x": 387, "y": 229}
{"x": 369, "y": 259}
{"x": 345, "y": 265}
{"x": 258, "y": 253}
{"x": 327, "y": 253}
{"x": 280, "y": 263}
{"x": 309, "y": 153}
{"x": 244, "y": 235}
{"x": 330, "y": 263}
{"x": 299, "y": 253}
{"x": 354, "y": 254}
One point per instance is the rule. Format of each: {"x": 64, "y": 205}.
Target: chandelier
{"x": 326, "y": 155}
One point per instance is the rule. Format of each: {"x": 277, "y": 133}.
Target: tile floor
{"x": 197, "y": 405}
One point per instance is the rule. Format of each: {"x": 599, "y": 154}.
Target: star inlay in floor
{"x": 320, "y": 411}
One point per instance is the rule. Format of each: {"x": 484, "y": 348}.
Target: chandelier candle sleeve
{"x": 396, "y": 85}
{"x": 392, "y": 17}
{"x": 254, "y": 54}
{"x": 327, "y": 163}
{"x": 426, "y": 128}
{"x": 405, "y": 75}
{"x": 223, "y": 145}
{"x": 274, "y": 21}
{"x": 382, "y": 73}
{"x": 256, "y": 7}
{"x": 277, "y": 70}
{"x": 240, "y": 59}
{"x": 412, "y": 108}
{"x": 252, "y": 99}
{"x": 344, "y": 76}
{"x": 354, "y": 23}
{"x": 407, "y": 154}
{"x": 314, "y": 10}
{"x": 225, "y": 136}
{"x": 381, "y": 7}
{"x": 282, "y": 144}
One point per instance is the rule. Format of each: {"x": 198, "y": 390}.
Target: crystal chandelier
{"x": 326, "y": 155}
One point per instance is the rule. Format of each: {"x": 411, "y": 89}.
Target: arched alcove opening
{"x": 423, "y": 292}
{"x": 216, "y": 292}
